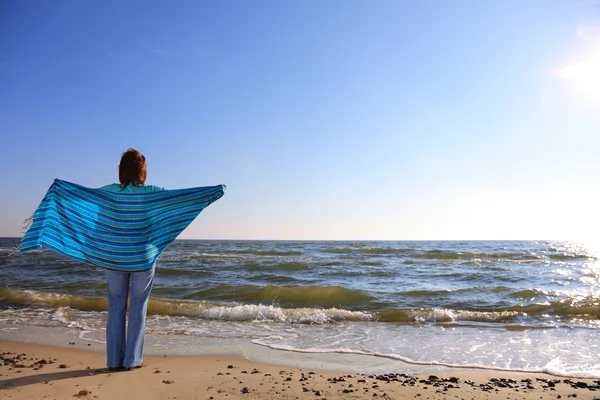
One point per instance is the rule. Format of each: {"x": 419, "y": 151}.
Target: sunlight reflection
{"x": 581, "y": 74}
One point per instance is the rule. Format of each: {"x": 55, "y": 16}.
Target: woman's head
{"x": 132, "y": 169}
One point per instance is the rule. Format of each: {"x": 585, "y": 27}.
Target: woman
{"x": 124, "y": 232}
{"x": 124, "y": 350}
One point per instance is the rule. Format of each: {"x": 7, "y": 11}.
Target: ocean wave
{"x": 261, "y": 252}
{"x": 284, "y": 266}
{"x": 188, "y": 272}
{"x": 368, "y": 250}
{"x": 32, "y": 297}
{"x": 466, "y": 256}
{"x": 470, "y": 256}
{"x": 529, "y": 293}
{"x": 371, "y": 263}
{"x": 295, "y": 296}
{"x": 276, "y": 279}
{"x": 566, "y": 256}
{"x": 248, "y": 312}
{"x": 445, "y": 315}
{"x": 65, "y": 304}
{"x": 565, "y": 309}
{"x": 266, "y": 306}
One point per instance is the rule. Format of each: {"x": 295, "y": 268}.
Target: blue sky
{"x": 326, "y": 119}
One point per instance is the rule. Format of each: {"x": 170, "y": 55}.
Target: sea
{"x": 357, "y": 306}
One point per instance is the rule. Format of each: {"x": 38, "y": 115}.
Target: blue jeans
{"x": 126, "y": 350}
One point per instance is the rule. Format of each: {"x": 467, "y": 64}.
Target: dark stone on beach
{"x": 167, "y": 382}
{"x": 318, "y": 393}
{"x": 288, "y": 379}
{"x": 433, "y": 378}
{"x": 551, "y": 384}
{"x": 454, "y": 379}
{"x": 305, "y": 389}
{"x": 245, "y": 390}
{"x": 347, "y": 391}
{"x": 220, "y": 373}
{"x": 83, "y": 393}
{"x": 581, "y": 385}
{"x": 63, "y": 366}
{"x": 230, "y": 366}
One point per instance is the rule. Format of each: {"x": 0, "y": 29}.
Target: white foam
{"x": 84, "y": 335}
{"x": 563, "y": 371}
{"x": 251, "y": 312}
{"x": 446, "y": 315}
{"x": 62, "y": 315}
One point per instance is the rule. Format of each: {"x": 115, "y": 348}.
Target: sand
{"x": 33, "y": 371}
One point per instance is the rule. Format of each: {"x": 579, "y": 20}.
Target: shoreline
{"x": 190, "y": 345}
{"x": 34, "y": 371}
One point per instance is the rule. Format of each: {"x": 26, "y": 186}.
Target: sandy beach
{"x": 31, "y": 371}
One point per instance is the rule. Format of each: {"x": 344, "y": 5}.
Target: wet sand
{"x": 30, "y": 371}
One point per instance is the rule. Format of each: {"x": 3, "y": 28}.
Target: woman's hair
{"x": 132, "y": 169}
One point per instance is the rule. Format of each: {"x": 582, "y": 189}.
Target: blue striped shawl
{"x": 123, "y": 231}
